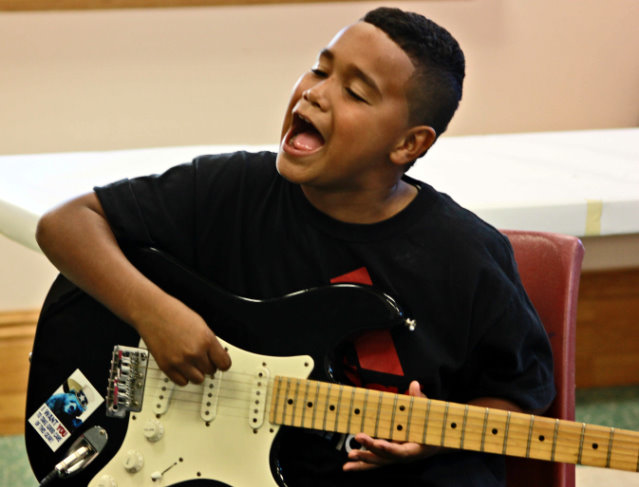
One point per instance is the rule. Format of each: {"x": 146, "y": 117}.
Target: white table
{"x": 580, "y": 183}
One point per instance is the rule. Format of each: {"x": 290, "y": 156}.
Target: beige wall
{"x": 96, "y": 80}
{"x": 155, "y": 77}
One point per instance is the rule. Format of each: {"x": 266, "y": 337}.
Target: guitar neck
{"x": 345, "y": 409}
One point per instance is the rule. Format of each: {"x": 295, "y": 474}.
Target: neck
{"x": 362, "y": 206}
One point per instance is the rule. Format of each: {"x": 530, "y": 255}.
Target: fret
{"x": 392, "y": 420}
{"x": 530, "y": 432}
{"x": 426, "y": 421}
{"x": 506, "y": 432}
{"x": 275, "y": 400}
{"x": 377, "y": 415}
{"x": 623, "y": 450}
{"x": 364, "y": 410}
{"x": 444, "y": 424}
{"x": 294, "y": 401}
{"x": 463, "y": 432}
{"x": 609, "y": 455}
{"x": 483, "y": 431}
{"x": 409, "y": 418}
{"x": 338, "y": 403}
{"x": 554, "y": 440}
{"x": 581, "y": 442}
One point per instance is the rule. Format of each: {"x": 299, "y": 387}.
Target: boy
{"x": 334, "y": 205}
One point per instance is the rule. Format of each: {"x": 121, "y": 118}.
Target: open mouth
{"x": 303, "y": 135}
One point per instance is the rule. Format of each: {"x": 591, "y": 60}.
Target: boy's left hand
{"x": 382, "y": 452}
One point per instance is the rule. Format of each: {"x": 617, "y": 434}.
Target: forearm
{"x": 77, "y": 239}
{"x": 496, "y": 403}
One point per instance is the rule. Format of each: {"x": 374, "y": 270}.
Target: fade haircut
{"x": 435, "y": 89}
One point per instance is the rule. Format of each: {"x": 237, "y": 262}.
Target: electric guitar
{"x": 226, "y": 431}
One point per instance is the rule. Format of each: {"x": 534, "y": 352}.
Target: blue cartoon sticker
{"x": 67, "y": 408}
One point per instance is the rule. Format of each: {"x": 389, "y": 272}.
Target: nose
{"x": 317, "y": 95}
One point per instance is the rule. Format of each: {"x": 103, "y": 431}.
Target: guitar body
{"x": 216, "y": 430}
{"x": 296, "y": 335}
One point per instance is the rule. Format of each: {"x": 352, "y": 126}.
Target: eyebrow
{"x": 356, "y": 71}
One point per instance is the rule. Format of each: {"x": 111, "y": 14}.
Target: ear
{"x": 414, "y": 144}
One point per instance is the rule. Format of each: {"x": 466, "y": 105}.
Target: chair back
{"x": 550, "y": 267}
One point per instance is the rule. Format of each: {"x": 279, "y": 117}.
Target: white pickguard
{"x": 229, "y": 448}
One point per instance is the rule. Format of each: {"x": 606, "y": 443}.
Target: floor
{"x": 617, "y": 406}
{"x": 614, "y": 406}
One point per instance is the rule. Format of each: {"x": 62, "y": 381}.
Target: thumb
{"x": 415, "y": 389}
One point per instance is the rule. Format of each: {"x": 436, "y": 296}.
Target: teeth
{"x": 304, "y": 118}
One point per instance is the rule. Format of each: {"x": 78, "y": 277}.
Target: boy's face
{"x": 347, "y": 114}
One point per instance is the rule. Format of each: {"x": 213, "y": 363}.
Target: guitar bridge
{"x": 126, "y": 380}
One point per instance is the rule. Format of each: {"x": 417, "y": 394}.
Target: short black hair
{"x": 436, "y": 87}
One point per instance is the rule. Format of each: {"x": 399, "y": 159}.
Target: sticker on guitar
{"x": 66, "y": 410}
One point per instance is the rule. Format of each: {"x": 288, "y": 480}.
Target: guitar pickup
{"x": 127, "y": 377}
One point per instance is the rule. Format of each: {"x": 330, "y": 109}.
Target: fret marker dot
{"x": 453, "y": 425}
{"x": 331, "y": 407}
{"x": 309, "y": 404}
{"x": 357, "y": 411}
{"x": 542, "y": 437}
{"x": 290, "y": 401}
{"x": 494, "y": 431}
{"x": 595, "y": 446}
{"x": 399, "y": 427}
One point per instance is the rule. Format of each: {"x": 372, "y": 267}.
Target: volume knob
{"x": 106, "y": 481}
{"x": 153, "y": 430}
{"x": 133, "y": 461}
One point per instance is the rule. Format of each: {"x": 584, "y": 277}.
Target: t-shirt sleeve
{"x": 512, "y": 358}
{"x": 155, "y": 210}
{"x": 192, "y": 207}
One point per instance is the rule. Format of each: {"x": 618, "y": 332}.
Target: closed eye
{"x": 319, "y": 73}
{"x": 354, "y": 95}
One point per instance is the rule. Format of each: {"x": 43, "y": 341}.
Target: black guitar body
{"x": 76, "y": 332}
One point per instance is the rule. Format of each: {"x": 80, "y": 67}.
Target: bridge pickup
{"x": 126, "y": 380}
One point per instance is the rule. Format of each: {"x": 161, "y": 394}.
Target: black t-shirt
{"x": 234, "y": 220}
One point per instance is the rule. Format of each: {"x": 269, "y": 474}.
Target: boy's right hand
{"x": 183, "y": 345}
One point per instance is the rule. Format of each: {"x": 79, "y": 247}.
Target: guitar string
{"x": 592, "y": 435}
{"x": 193, "y": 401}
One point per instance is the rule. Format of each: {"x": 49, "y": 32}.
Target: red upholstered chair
{"x": 550, "y": 268}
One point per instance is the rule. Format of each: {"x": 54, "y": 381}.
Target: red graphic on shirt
{"x": 375, "y": 349}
